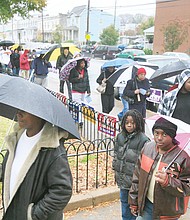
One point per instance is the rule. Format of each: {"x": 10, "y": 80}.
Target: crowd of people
{"x": 154, "y": 183}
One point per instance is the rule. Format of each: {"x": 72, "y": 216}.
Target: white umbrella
{"x": 123, "y": 74}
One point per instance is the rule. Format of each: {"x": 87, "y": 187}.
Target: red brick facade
{"x": 165, "y": 13}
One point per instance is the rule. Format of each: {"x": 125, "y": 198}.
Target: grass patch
{"x": 4, "y": 128}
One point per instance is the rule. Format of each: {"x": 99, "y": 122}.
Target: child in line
{"x": 128, "y": 145}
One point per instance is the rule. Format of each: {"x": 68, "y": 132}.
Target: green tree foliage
{"x": 57, "y": 34}
{"x": 109, "y": 36}
{"x": 175, "y": 33}
{"x": 144, "y": 25}
{"x": 9, "y": 8}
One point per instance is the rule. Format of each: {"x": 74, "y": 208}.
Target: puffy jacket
{"x": 127, "y": 149}
{"x": 170, "y": 201}
{"x": 81, "y": 85}
{"x": 44, "y": 185}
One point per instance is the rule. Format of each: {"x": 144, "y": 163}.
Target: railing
{"x": 91, "y": 163}
{"x": 91, "y": 124}
{"x": 90, "y": 158}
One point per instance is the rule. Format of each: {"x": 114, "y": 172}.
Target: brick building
{"x": 168, "y": 11}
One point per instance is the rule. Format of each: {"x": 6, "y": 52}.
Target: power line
{"x": 137, "y": 5}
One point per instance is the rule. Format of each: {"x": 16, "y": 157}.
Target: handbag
{"x": 101, "y": 88}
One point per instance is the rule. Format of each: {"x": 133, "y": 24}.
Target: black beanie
{"x": 168, "y": 127}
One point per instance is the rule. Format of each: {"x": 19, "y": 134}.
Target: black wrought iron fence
{"x": 91, "y": 163}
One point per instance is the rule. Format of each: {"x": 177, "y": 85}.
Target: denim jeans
{"x": 125, "y": 109}
{"x": 126, "y": 211}
{"x": 148, "y": 211}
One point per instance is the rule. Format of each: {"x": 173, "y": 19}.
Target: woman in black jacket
{"x": 108, "y": 97}
{"x": 80, "y": 81}
{"x": 138, "y": 89}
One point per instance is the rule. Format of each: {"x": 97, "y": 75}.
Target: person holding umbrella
{"x": 37, "y": 181}
{"x": 137, "y": 90}
{"x": 176, "y": 103}
{"x": 128, "y": 145}
{"x": 62, "y": 60}
{"x": 107, "y": 98}
{"x": 161, "y": 180}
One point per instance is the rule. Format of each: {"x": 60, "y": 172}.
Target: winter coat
{"x": 109, "y": 86}
{"x": 40, "y": 66}
{"x": 62, "y": 60}
{"x": 134, "y": 84}
{"x": 81, "y": 85}
{"x": 170, "y": 200}
{"x": 44, "y": 185}
{"x": 15, "y": 60}
{"x": 168, "y": 103}
{"x": 24, "y": 63}
{"x": 127, "y": 149}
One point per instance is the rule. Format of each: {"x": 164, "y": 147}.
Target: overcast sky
{"x": 123, "y": 6}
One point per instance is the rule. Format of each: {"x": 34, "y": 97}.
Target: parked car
{"x": 105, "y": 52}
{"x": 181, "y": 56}
{"x": 159, "y": 60}
{"x": 86, "y": 48}
{"x": 129, "y": 53}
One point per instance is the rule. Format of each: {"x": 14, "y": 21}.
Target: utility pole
{"x": 87, "y": 23}
{"x": 115, "y": 13}
{"x": 42, "y": 26}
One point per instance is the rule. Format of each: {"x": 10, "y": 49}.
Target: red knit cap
{"x": 141, "y": 70}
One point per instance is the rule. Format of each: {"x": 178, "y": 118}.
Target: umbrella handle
{"x": 176, "y": 156}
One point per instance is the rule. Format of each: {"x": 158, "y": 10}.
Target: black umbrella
{"x": 170, "y": 70}
{"x": 127, "y": 72}
{"x": 18, "y": 93}
{"x": 6, "y": 43}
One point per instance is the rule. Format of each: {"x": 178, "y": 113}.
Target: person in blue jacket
{"x": 40, "y": 66}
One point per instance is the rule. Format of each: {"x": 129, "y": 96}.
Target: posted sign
{"x": 156, "y": 95}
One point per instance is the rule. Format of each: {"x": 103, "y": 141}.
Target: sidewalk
{"x": 102, "y": 204}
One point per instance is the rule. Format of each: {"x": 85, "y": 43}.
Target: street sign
{"x": 87, "y": 36}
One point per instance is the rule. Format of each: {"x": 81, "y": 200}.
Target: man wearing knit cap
{"x": 161, "y": 183}
{"x": 138, "y": 89}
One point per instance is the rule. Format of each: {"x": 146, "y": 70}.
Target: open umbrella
{"x": 183, "y": 130}
{"x": 54, "y": 51}
{"x": 117, "y": 62}
{"x": 170, "y": 70}
{"x": 6, "y": 43}
{"x": 18, "y": 93}
{"x": 126, "y": 72}
{"x": 65, "y": 70}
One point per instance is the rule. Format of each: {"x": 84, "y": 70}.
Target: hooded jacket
{"x": 24, "y": 63}
{"x": 168, "y": 103}
{"x": 171, "y": 200}
{"x": 44, "y": 185}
